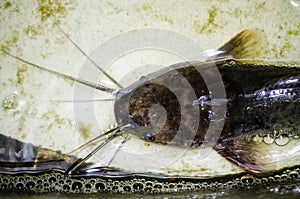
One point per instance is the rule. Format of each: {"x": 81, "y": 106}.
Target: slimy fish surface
{"x": 244, "y": 111}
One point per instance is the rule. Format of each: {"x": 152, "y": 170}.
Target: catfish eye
{"x": 149, "y": 137}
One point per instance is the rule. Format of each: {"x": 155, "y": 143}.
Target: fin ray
{"x": 246, "y": 154}
{"x": 250, "y": 43}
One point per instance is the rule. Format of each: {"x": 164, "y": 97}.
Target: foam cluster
{"x": 57, "y": 182}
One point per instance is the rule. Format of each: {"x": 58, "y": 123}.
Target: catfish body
{"x": 258, "y": 97}
{"x": 222, "y": 102}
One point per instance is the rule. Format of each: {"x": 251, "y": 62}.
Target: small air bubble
{"x": 257, "y": 138}
{"x": 296, "y": 190}
{"x": 294, "y": 175}
{"x": 275, "y": 133}
{"x": 13, "y": 102}
{"x": 275, "y": 190}
{"x": 247, "y": 179}
{"x": 143, "y": 79}
{"x": 295, "y": 3}
{"x": 268, "y": 139}
{"x": 282, "y": 140}
{"x": 232, "y": 63}
{"x": 10, "y": 101}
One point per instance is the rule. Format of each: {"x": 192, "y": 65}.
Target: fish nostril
{"x": 149, "y": 137}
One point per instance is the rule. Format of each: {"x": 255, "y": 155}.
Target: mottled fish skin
{"x": 258, "y": 98}
{"x": 177, "y": 87}
{"x": 247, "y": 109}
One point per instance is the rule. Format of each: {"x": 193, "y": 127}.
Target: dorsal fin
{"x": 250, "y": 43}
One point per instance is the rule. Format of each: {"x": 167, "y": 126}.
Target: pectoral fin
{"x": 249, "y": 155}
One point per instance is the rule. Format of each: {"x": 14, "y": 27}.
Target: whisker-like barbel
{"x": 94, "y": 139}
{"x": 84, "y": 82}
{"x": 90, "y": 59}
{"x": 78, "y": 163}
{"x": 119, "y": 148}
{"x": 81, "y": 101}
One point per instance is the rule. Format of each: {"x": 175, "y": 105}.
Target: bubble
{"x": 13, "y": 102}
{"x": 295, "y": 3}
{"x": 271, "y": 180}
{"x": 275, "y": 190}
{"x": 178, "y": 186}
{"x": 115, "y": 188}
{"x": 293, "y": 174}
{"x": 46, "y": 185}
{"x": 148, "y": 189}
{"x": 10, "y": 101}
{"x": 149, "y": 184}
{"x": 296, "y": 190}
{"x": 20, "y": 186}
{"x": 138, "y": 186}
{"x": 27, "y": 182}
{"x": 30, "y": 184}
{"x": 247, "y": 179}
{"x": 3, "y": 186}
{"x": 100, "y": 186}
{"x": 171, "y": 185}
{"x": 232, "y": 63}
{"x": 283, "y": 177}
{"x": 159, "y": 186}
{"x": 275, "y": 133}
{"x": 264, "y": 181}
{"x": 257, "y": 138}
{"x": 282, "y": 140}
{"x": 143, "y": 79}
{"x": 268, "y": 139}
{"x": 88, "y": 186}
{"x": 277, "y": 178}
{"x": 220, "y": 185}
{"x": 66, "y": 187}
{"x": 39, "y": 187}
{"x": 76, "y": 185}
{"x": 127, "y": 188}
{"x": 52, "y": 180}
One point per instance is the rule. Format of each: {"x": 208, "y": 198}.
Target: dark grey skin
{"x": 247, "y": 108}
{"x": 246, "y": 99}
{"x": 259, "y": 98}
